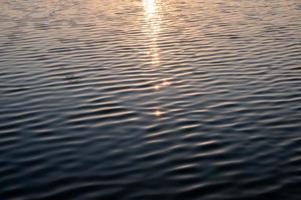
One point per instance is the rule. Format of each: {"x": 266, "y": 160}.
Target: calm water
{"x": 150, "y": 99}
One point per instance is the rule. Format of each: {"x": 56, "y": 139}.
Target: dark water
{"x": 166, "y": 99}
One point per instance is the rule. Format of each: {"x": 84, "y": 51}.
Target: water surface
{"x": 150, "y": 99}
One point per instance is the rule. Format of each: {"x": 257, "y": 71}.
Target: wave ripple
{"x": 148, "y": 99}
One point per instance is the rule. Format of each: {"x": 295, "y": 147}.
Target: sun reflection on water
{"x": 153, "y": 12}
{"x": 158, "y": 113}
{"x": 150, "y": 7}
{"x": 152, "y": 29}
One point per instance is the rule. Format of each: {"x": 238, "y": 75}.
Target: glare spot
{"x": 158, "y": 113}
{"x": 157, "y": 87}
{"x": 166, "y": 83}
{"x": 150, "y": 7}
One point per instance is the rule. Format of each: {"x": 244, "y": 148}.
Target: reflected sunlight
{"x": 158, "y": 113}
{"x": 164, "y": 83}
{"x": 153, "y": 21}
{"x": 153, "y": 27}
{"x": 150, "y": 7}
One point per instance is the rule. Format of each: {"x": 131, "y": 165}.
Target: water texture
{"x": 150, "y": 99}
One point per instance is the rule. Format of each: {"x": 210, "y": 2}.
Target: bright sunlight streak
{"x": 150, "y": 7}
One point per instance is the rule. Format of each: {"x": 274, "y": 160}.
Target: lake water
{"x": 150, "y": 99}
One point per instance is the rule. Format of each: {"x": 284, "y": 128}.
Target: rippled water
{"x": 150, "y": 99}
